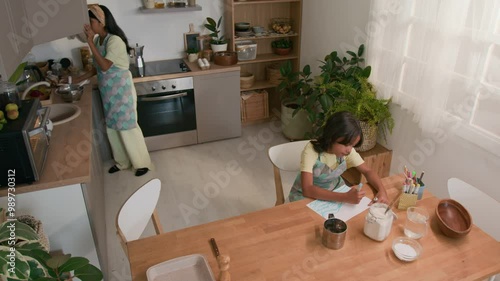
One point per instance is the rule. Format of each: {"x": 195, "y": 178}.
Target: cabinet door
{"x": 55, "y": 19}
{"x": 16, "y": 42}
{"x": 217, "y": 101}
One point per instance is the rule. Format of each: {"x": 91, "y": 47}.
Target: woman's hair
{"x": 342, "y": 127}
{"x": 111, "y": 26}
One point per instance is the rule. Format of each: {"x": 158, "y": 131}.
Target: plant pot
{"x": 294, "y": 127}
{"x": 369, "y": 136}
{"x": 282, "y": 51}
{"x": 219, "y": 47}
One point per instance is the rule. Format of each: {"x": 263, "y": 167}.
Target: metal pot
{"x": 8, "y": 94}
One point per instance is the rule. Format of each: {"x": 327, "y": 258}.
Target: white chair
{"x": 483, "y": 208}
{"x": 135, "y": 213}
{"x": 285, "y": 157}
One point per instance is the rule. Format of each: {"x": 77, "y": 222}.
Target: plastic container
{"x": 378, "y": 223}
{"x": 247, "y": 50}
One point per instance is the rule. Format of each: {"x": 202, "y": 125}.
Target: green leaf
{"x": 56, "y": 261}
{"x": 73, "y": 264}
{"x": 366, "y": 72}
{"x": 23, "y": 231}
{"x": 37, "y": 269}
{"x": 211, "y": 21}
{"x": 219, "y": 22}
{"x": 352, "y": 53}
{"x": 13, "y": 264}
{"x": 88, "y": 273}
{"x": 361, "y": 49}
{"x": 211, "y": 28}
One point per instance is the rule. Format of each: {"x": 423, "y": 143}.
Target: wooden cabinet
{"x": 261, "y": 13}
{"x": 217, "y": 106}
{"x": 16, "y": 42}
{"x": 53, "y": 20}
{"x": 378, "y": 159}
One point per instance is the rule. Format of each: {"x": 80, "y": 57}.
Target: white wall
{"x": 162, "y": 34}
{"x": 333, "y": 25}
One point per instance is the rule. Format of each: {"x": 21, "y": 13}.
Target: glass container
{"x": 378, "y": 222}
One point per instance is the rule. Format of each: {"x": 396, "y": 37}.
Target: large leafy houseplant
{"x": 295, "y": 86}
{"x": 214, "y": 27}
{"x": 22, "y": 257}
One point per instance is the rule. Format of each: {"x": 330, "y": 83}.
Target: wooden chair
{"x": 483, "y": 208}
{"x": 135, "y": 213}
{"x": 285, "y": 157}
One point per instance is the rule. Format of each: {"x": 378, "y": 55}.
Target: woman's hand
{"x": 89, "y": 33}
{"x": 354, "y": 196}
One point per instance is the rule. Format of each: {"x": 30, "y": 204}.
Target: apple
{"x": 2, "y": 116}
{"x": 12, "y": 114}
{"x": 10, "y": 107}
{"x": 36, "y": 94}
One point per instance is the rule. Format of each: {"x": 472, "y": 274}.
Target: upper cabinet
{"x": 16, "y": 41}
{"x": 51, "y": 20}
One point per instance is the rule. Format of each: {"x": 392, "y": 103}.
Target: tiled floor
{"x": 235, "y": 174}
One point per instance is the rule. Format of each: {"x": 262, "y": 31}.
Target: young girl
{"x": 325, "y": 159}
{"x": 110, "y": 53}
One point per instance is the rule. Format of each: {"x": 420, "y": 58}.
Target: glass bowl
{"x": 281, "y": 25}
{"x": 406, "y": 249}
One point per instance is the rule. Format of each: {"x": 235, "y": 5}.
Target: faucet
{"x": 23, "y": 96}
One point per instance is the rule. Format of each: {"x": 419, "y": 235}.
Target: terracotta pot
{"x": 282, "y": 51}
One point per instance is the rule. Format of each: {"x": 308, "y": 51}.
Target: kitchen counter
{"x": 195, "y": 71}
{"x": 68, "y": 157}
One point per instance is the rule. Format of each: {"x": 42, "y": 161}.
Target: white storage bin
{"x": 247, "y": 50}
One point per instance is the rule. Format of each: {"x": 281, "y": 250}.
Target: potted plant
{"x": 343, "y": 86}
{"x": 218, "y": 42}
{"x": 282, "y": 46}
{"x": 294, "y": 89}
{"x": 33, "y": 262}
{"x": 192, "y": 54}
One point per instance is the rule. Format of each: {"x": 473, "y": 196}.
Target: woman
{"x": 111, "y": 64}
{"x": 325, "y": 159}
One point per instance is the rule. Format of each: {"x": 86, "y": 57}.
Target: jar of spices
{"x": 378, "y": 222}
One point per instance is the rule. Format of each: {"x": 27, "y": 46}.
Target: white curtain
{"x": 440, "y": 59}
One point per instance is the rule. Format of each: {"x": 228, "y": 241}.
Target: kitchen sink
{"x": 61, "y": 113}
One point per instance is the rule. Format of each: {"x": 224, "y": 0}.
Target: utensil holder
{"x": 407, "y": 200}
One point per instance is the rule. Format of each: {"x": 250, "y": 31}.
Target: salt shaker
{"x": 378, "y": 222}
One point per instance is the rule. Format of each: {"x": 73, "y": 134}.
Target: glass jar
{"x": 8, "y": 94}
{"x": 378, "y": 223}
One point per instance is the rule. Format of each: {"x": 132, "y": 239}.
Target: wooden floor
{"x": 200, "y": 183}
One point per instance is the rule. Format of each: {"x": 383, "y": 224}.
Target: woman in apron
{"x": 324, "y": 160}
{"x": 111, "y": 64}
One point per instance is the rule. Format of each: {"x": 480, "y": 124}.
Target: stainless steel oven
{"x": 166, "y": 112}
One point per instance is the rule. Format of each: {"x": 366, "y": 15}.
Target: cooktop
{"x": 160, "y": 67}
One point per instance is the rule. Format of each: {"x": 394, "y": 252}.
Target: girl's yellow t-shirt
{"x": 309, "y": 157}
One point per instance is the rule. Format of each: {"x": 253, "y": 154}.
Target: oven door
{"x": 166, "y": 113}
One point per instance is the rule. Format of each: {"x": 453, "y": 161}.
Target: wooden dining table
{"x": 284, "y": 243}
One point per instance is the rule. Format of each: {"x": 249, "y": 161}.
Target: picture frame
{"x": 190, "y": 38}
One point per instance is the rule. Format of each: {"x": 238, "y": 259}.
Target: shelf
{"x": 263, "y": 2}
{"x": 264, "y": 84}
{"x": 268, "y": 58}
{"x": 265, "y": 37}
{"x": 170, "y": 10}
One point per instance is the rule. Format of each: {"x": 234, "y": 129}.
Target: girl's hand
{"x": 88, "y": 32}
{"x": 353, "y": 196}
{"x": 381, "y": 198}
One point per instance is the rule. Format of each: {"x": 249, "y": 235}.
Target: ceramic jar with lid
{"x": 8, "y": 94}
{"x": 378, "y": 222}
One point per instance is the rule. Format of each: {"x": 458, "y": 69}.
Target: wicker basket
{"x": 273, "y": 73}
{"x": 246, "y": 80}
{"x": 254, "y": 106}
{"x": 369, "y": 136}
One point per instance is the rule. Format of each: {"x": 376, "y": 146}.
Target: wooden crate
{"x": 254, "y": 105}
{"x": 378, "y": 159}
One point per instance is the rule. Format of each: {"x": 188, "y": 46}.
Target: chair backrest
{"x": 285, "y": 157}
{"x": 135, "y": 213}
{"x": 483, "y": 208}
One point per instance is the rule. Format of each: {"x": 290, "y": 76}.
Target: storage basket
{"x": 369, "y": 136}
{"x": 254, "y": 105}
{"x": 247, "y": 50}
{"x": 246, "y": 80}
{"x": 273, "y": 73}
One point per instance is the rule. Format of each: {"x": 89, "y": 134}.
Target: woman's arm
{"x": 310, "y": 190}
{"x": 374, "y": 181}
{"x": 103, "y": 63}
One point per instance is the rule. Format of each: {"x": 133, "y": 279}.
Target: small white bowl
{"x": 406, "y": 249}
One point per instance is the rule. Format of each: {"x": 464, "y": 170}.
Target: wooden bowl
{"x": 225, "y": 58}
{"x": 453, "y": 219}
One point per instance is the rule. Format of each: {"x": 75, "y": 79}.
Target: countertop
{"x": 68, "y": 158}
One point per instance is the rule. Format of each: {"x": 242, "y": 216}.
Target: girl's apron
{"x": 117, "y": 94}
{"x": 323, "y": 176}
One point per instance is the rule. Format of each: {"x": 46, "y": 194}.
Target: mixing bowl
{"x": 70, "y": 92}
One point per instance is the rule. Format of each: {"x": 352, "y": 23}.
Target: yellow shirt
{"x": 116, "y": 52}
{"x": 309, "y": 157}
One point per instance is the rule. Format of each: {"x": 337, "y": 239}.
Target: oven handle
{"x": 179, "y": 95}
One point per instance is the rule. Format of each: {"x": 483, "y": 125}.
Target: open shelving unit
{"x": 260, "y": 13}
